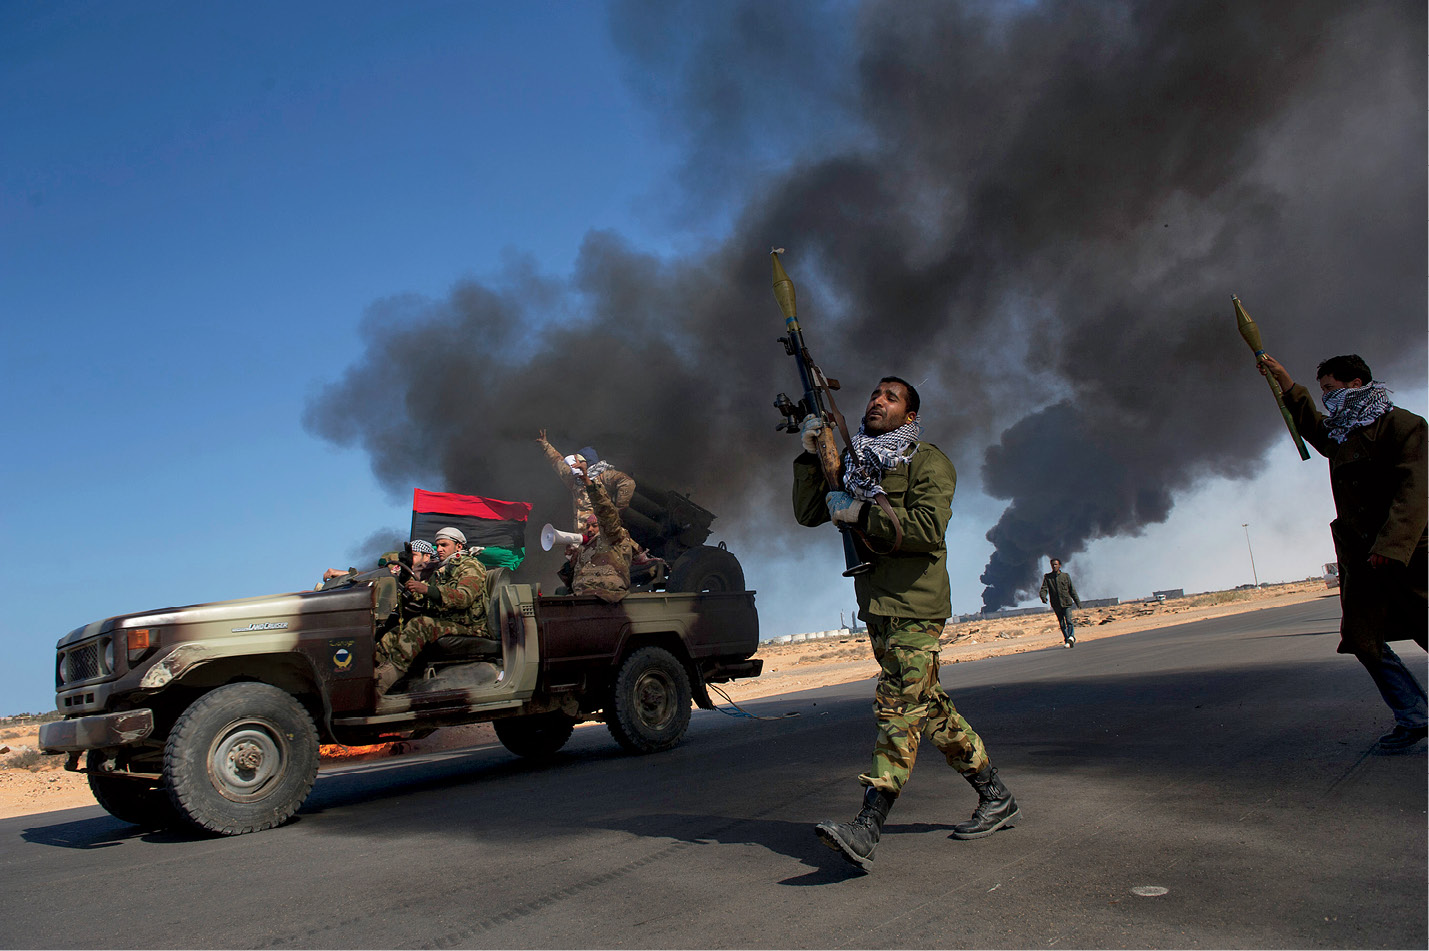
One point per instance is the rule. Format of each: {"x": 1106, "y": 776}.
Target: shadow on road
{"x": 102, "y": 832}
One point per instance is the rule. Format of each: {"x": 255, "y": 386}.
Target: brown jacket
{"x": 602, "y": 565}
{"x": 1378, "y": 479}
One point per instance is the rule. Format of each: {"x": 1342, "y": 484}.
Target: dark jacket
{"x": 1377, "y": 476}
{"x": 1060, "y": 589}
{"x": 912, "y": 582}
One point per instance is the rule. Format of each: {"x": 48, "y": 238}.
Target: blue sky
{"x": 197, "y": 207}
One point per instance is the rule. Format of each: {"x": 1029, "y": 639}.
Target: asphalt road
{"x": 1226, "y": 762}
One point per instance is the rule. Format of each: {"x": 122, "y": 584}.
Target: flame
{"x": 337, "y": 751}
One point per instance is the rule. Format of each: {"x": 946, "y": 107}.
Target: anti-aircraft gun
{"x": 674, "y": 527}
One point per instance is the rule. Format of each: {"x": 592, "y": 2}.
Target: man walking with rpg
{"x": 1377, "y": 476}
{"x": 905, "y": 599}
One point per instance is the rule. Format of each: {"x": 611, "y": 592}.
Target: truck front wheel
{"x": 133, "y": 801}
{"x": 650, "y": 709}
{"x": 241, "y": 758}
{"x": 535, "y": 736}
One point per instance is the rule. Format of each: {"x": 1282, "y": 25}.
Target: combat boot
{"x": 386, "y": 675}
{"x": 856, "y": 840}
{"x": 995, "y": 808}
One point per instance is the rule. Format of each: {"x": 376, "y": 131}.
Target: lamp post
{"x": 1253, "y": 575}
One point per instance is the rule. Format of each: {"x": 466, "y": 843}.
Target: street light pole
{"x": 1246, "y": 526}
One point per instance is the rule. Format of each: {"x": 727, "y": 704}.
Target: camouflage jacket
{"x": 457, "y": 592}
{"x": 911, "y": 583}
{"x": 602, "y": 565}
{"x": 1060, "y": 589}
{"x": 618, "y": 486}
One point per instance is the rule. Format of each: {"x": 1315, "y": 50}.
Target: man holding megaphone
{"x": 601, "y": 554}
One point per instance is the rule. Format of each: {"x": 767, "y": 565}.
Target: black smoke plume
{"x": 1038, "y": 211}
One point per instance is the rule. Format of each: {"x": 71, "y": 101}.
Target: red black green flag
{"x": 498, "y": 527}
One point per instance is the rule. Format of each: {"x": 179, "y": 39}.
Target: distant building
{"x": 1102, "y": 603}
{"x": 1169, "y": 593}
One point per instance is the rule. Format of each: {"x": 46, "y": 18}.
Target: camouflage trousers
{"x": 910, "y": 702}
{"x": 401, "y": 647}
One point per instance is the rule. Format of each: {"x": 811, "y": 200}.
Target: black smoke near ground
{"x": 1041, "y": 210}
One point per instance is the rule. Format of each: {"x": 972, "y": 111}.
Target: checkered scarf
{"x": 1354, "y": 406}
{"x": 870, "y": 457}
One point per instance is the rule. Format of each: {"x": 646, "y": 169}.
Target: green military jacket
{"x": 1377, "y": 476}
{"x": 456, "y": 592}
{"x": 912, "y": 582}
{"x": 1060, "y": 589}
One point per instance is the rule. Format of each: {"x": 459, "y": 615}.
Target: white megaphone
{"x": 551, "y": 536}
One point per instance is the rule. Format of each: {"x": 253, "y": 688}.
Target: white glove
{"x": 809, "y": 431}
{"x": 844, "y": 508}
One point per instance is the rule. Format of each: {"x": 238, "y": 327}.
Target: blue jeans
{"x": 1398, "y": 686}
{"x": 1065, "y": 620}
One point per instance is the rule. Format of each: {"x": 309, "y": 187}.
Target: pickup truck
{"x": 212, "y": 715}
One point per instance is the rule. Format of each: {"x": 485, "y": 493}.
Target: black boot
{"x": 856, "y": 840}
{"x": 995, "y": 808}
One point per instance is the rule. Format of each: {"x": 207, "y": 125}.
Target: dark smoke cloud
{"x": 1040, "y": 210}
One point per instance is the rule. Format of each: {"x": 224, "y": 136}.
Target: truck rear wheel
{"x": 241, "y": 758}
{"x": 535, "y": 736}
{"x": 133, "y": 801}
{"x": 650, "y": 709}
{"x": 706, "y": 569}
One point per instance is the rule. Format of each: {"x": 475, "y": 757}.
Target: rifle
{"x": 818, "y": 400}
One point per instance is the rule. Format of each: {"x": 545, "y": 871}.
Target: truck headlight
{"x": 109, "y": 655}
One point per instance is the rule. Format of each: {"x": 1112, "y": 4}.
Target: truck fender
{"x": 189, "y": 657}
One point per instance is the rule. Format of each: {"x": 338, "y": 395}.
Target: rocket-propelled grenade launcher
{"x": 818, "y": 401}
{"x": 1251, "y": 333}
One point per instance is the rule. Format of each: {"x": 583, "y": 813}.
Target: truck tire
{"x": 706, "y": 569}
{"x": 241, "y": 758}
{"x": 537, "y": 736}
{"x": 650, "y": 708}
{"x": 133, "y": 801}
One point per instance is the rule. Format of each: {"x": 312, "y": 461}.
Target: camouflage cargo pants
{"x": 401, "y": 647}
{"x": 910, "y": 702}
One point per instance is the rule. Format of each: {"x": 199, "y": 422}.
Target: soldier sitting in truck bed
{"x": 452, "y": 602}
{"x": 601, "y": 565}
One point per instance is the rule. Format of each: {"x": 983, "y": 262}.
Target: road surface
{"x": 1224, "y": 766}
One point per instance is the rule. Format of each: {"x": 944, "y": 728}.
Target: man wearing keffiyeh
{"x": 1377, "y": 475}
{"x": 905, "y": 599}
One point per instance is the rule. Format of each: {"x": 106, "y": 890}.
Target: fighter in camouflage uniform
{"x": 905, "y": 600}
{"x": 619, "y": 486}
{"x": 602, "y": 561}
{"x": 452, "y": 602}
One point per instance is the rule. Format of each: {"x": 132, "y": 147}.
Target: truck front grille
{"x": 80, "y": 664}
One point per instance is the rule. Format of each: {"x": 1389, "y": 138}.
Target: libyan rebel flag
{"x": 498, "y": 527}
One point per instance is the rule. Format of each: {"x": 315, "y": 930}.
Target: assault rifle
{"x": 818, "y": 400}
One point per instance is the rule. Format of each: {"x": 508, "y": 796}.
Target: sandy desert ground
{"x": 44, "y": 785}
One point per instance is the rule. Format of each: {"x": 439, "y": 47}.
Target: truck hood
{"x": 274, "y": 612}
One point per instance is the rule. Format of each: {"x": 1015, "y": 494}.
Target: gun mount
{"x": 674, "y": 527}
